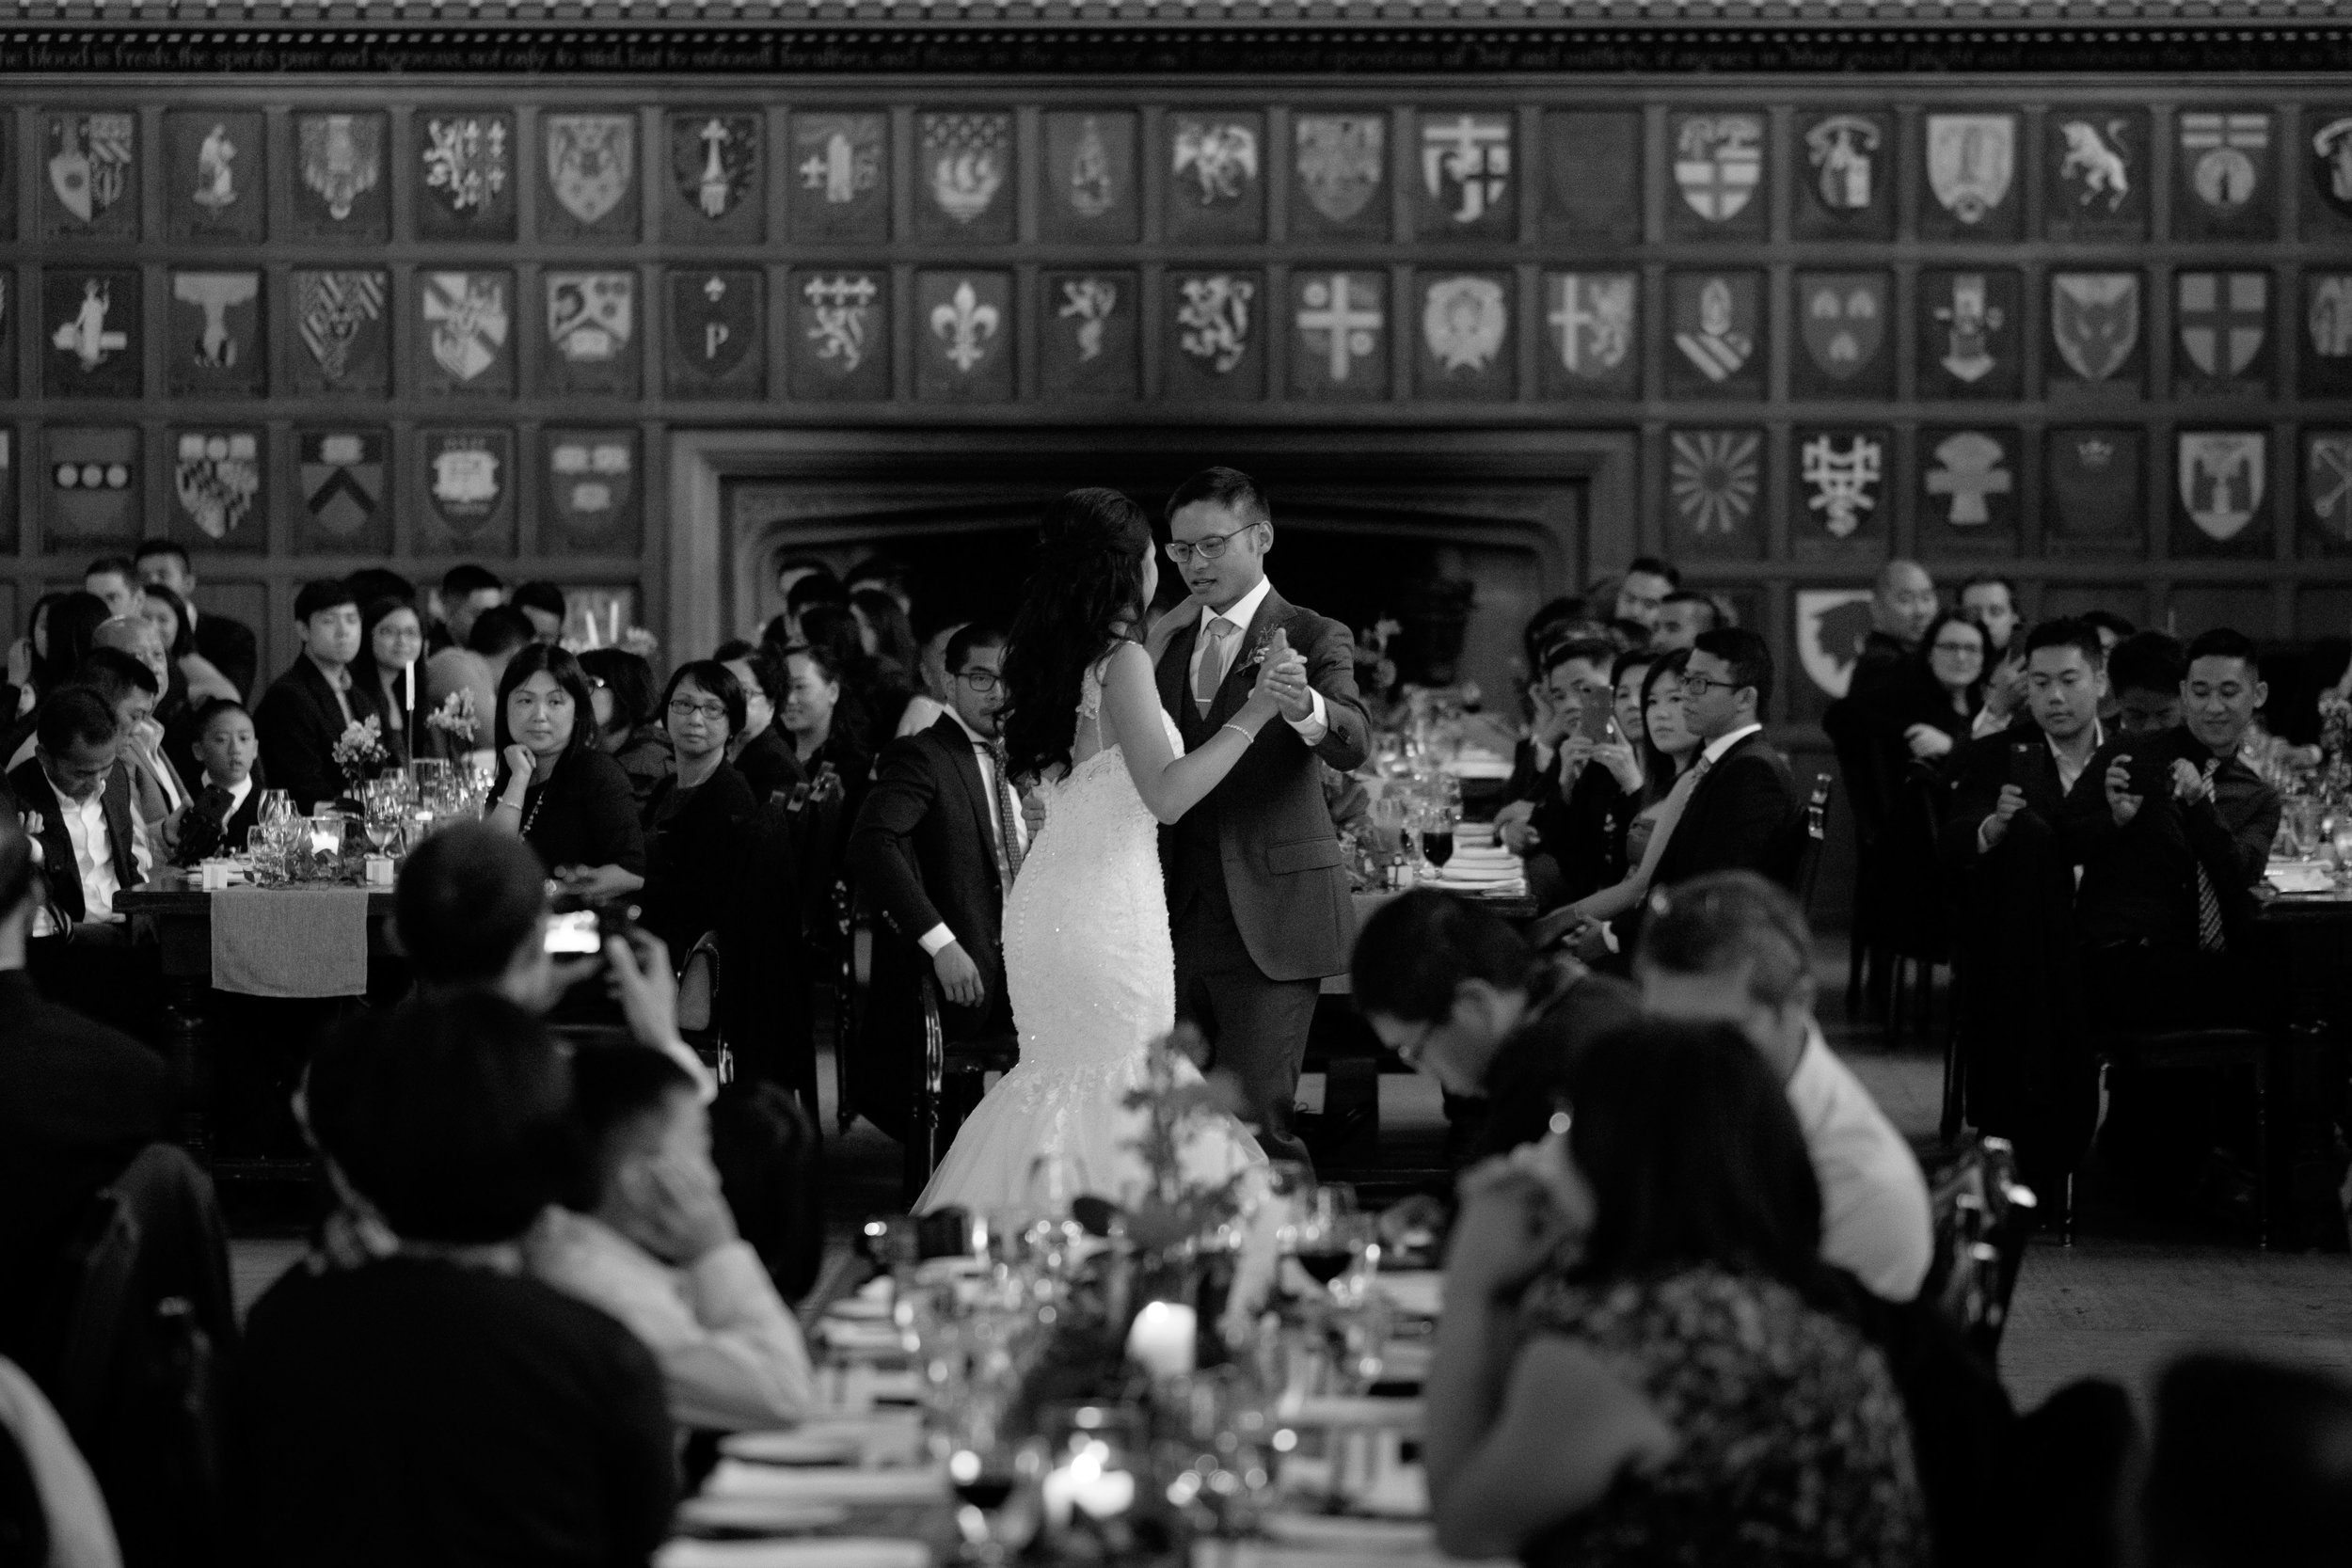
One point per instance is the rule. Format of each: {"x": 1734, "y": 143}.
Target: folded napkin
{"x": 864, "y": 1488}
{"x": 291, "y": 942}
{"x": 834, "y": 1552}
{"x": 2301, "y": 877}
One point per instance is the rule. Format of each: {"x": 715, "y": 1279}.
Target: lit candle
{"x": 1160, "y": 1342}
{"x": 408, "y": 677}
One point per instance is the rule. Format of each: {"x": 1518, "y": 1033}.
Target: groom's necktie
{"x": 1007, "y": 818}
{"x": 1212, "y": 672}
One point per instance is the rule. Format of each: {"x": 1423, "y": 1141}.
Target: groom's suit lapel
{"x": 1241, "y": 674}
{"x": 1175, "y": 660}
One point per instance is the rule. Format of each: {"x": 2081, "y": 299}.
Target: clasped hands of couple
{"x": 2189, "y": 785}
{"x": 1281, "y": 688}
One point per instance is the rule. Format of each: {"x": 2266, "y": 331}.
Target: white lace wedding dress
{"x": 1092, "y": 970}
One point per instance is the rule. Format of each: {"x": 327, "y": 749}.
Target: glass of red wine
{"x": 1437, "y": 841}
{"x": 996, "y": 1498}
{"x": 1327, "y": 1234}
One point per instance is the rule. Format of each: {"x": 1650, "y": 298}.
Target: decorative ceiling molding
{"x": 1176, "y": 37}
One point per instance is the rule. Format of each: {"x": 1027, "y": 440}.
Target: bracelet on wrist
{"x": 1247, "y": 736}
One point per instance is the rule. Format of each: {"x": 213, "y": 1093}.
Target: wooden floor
{"x": 2117, "y": 1303}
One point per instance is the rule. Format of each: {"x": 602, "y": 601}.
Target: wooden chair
{"x": 2257, "y": 1051}
{"x": 1808, "y": 867}
{"x": 1983, "y": 1218}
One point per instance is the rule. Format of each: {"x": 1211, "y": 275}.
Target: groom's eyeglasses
{"x": 981, "y": 681}
{"x": 1210, "y": 548}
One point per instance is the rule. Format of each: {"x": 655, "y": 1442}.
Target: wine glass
{"x": 1316, "y": 1234}
{"x": 276, "y": 806}
{"x": 997, "y": 1495}
{"x": 1437, "y": 837}
{"x": 1052, "y": 1187}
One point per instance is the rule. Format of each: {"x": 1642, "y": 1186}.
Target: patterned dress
{"x": 1793, "y": 1449}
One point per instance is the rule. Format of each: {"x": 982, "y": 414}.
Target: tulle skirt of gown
{"x": 1092, "y": 970}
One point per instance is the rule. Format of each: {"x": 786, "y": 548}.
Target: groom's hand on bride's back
{"x": 1163, "y": 631}
{"x": 959, "y": 977}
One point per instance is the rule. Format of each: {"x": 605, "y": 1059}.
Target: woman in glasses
{"x": 696, "y": 816}
{"x": 1642, "y": 1358}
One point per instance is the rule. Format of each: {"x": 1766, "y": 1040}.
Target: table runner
{"x": 291, "y": 942}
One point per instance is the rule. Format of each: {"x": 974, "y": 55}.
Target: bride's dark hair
{"x": 1084, "y": 593}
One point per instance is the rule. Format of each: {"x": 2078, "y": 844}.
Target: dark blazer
{"x": 1584, "y": 834}
{"x": 1739, "y": 817}
{"x": 2023, "y": 1010}
{"x": 691, "y": 859}
{"x": 2139, "y": 881}
{"x": 35, "y": 793}
{"x": 77, "y": 1100}
{"x": 206, "y": 831}
{"x": 298, "y": 723}
{"x": 922, "y": 853}
{"x": 229, "y": 646}
{"x": 768, "y": 764}
{"x": 1264, "y": 831}
{"x": 1532, "y": 1066}
{"x": 583, "y": 814}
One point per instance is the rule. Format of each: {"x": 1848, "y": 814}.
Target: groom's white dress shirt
{"x": 1311, "y": 729}
{"x": 984, "y": 753}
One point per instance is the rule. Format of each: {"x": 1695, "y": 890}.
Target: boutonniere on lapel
{"x": 1273, "y": 640}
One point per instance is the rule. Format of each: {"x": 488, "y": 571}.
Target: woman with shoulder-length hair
{"x": 1089, "y": 963}
{"x": 555, "y": 786}
{"x": 1640, "y": 1360}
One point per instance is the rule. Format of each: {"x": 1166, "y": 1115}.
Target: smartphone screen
{"x": 1598, "y": 721}
{"x": 573, "y": 933}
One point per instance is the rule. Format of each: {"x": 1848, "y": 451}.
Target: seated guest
{"x": 168, "y": 613}
{"x": 1670, "y": 774}
{"x": 77, "y": 1100}
{"x": 1459, "y": 996}
{"x": 870, "y": 695}
{"x": 1903, "y": 602}
{"x": 466, "y": 591}
{"x": 391, "y": 642}
{"x": 541, "y": 604}
{"x": 307, "y": 709}
{"x": 79, "y": 810}
{"x": 555, "y": 788}
{"x": 1681, "y": 617}
{"x": 694, "y": 820}
{"x": 225, "y": 643}
{"x": 228, "y": 800}
{"x": 814, "y": 721}
{"x": 763, "y": 751}
{"x": 434, "y": 1403}
{"x": 1572, "y": 675}
{"x": 1930, "y": 708}
{"x": 493, "y": 636}
{"x": 129, "y": 688}
{"x": 647, "y": 1236}
{"x": 62, "y": 637}
{"x": 2112, "y": 628}
{"x": 2252, "y": 1466}
{"x": 2172, "y": 848}
{"x": 936, "y": 848}
{"x": 1735, "y": 949}
{"x": 1744, "y": 803}
{"x": 623, "y": 687}
{"x": 1630, "y": 1368}
{"x": 116, "y": 580}
{"x": 2144, "y": 675}
{"x": 2023, "y": 1011}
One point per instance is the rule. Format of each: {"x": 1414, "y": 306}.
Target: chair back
{"x": 1983, "y": 1217}
{"x": 1814, "y": 835}
{"x": 698, "y": 1009}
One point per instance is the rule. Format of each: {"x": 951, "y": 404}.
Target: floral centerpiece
{"x": 455, "y": 719}
{"x": 2335, "y": 743}
{"x": 1174, "y": 1208}
{"x": 359, "y": 753}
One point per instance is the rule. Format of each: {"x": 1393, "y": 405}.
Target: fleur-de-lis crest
{"x": 967, "y": 325}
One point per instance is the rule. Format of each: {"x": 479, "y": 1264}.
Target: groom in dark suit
{"x": 936, "y": 845}
{"x": 1257, "y": 889}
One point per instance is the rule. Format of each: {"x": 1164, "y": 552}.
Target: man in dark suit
{"x": 1257, "y": 887}
{"x": 2024, "y": 1011}
{"x": 75, "y": 799}
{"x": 1743, "y": 806}
{"x": 307, "y": 709}
{"x": 228, "y": 644}
{"x": 2172, "y": 848}
{"x": 935, "y": 847}
{"x": 77, "y": 1100}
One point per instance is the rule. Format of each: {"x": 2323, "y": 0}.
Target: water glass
{"x": 276, "y": 806}
{"x": 2303, "y": 820}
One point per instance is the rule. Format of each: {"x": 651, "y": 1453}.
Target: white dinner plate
{"x": 1420, "y": 1292}
{"x": 856, "y": 1488}
{"x": 1333, "y": 1532}
{"x": 838, "y": 1552}
{"x": 760, "y": 1513}
{"x": 794, "y": 1447}
{"x": 1334, "y": 1410}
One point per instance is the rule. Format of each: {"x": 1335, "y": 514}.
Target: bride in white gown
{"x": 1089, "y": 959}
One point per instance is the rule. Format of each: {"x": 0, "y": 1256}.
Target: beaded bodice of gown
{"x": 1088, "y": 957}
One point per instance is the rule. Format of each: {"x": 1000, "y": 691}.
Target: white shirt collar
{"x": 2098, "y": 738}
{"x": 237, "y": 792}
{"x": 1717, "y": 746}
{"x": 1243, "y": 610}
{"x": 978, "y": 740}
